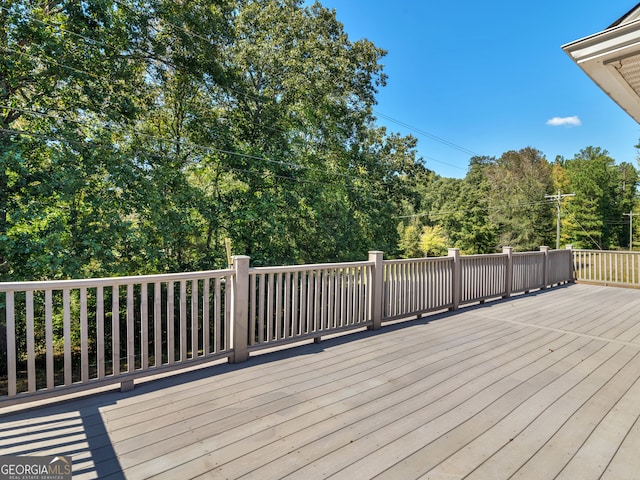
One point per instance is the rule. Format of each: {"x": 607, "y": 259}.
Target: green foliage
{"x": 417, "y": 240}
{"x": 433, "y": 241}
{"x": 604, "y": 193}
{"x": 462, "y": 209}
{"x": 409, "y": 242}
{"x": 519, "y": 182}
{"x": 135, "y": 137}
{"x": 503, "y": 202}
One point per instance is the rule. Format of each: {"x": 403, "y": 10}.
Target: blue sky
{"x": 489, "y": 76}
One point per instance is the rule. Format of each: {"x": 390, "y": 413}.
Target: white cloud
{"x": 566, "y": 121}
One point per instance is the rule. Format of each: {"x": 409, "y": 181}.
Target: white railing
{"x": 560, "y": 267}
{"x": 292, "y": 303}
{"x": 417, "y": 286}
{"x": 71, "y": 335}
{"x": 528, "y": 271}
{"x": 483, "y": 277}
{"x": 111, "y": 330}
{"x": 607, "y": 267}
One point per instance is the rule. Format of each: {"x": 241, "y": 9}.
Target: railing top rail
{"x": 418, "y": 260}
{"x": 584, "y": 250}
{"x": 111, "y": 281}
{"x": 309, "y": 267}
{"x": 528, "y": 254}
{"x": 485, "y": 255}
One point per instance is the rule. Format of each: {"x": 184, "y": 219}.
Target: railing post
{"x": 509, "y": 273}
{"x": 240, "y": 309}
{"x": 572, "y": 270}
{"x": 376, "y": 294}
{"x": 545, "y": 269}
{"x": 11, "y": 344}
{"x": 456, "y": 278}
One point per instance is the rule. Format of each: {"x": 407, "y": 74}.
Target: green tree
{"x": 300, "y": 106}
{"x": 590, "y": 214}
{"x": 518, "y": 182}
{"x": 137, "y": 136}
{"x": 433, "y": 241}
{"x": 465, "y": 214}
{"x": 410, "y": 239}
{"x": 66, "y": 83}
{"x": 626, "y": 186}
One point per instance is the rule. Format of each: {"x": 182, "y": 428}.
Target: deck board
{"x": 538, "y": 386}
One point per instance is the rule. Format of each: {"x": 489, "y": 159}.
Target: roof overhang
{"x": 612, "y": 60}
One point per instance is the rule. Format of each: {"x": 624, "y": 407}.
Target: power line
{"x": 353, "y": 187}
{"x": 51, "y": 60}
{"x": 74, "y": 69}
{"x": 189, "y": 33}
{"x": 200, "y": 37}
{"x": 98, "y": 43}
{"x": 106, "y": 80}
{"x": 427, "y": 134}
{"x": 583, "y": 229}
{"x": 444, "y": 163}
{"x": 558, "y": 198}
{"x": 187, "y": 143}
{"x": 452, "y": 212}
{"x": 92, "y": 41}
{"x": 630, "y": 215}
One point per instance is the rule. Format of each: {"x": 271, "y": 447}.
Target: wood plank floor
{"x": 541, "y": 386}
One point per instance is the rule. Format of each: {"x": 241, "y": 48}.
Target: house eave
{"x": 605, "y": 57}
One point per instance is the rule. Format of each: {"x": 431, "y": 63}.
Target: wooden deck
{"x": 541, "y": 386}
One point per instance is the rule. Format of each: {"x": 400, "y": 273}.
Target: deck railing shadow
{"x": 72, "y": 428}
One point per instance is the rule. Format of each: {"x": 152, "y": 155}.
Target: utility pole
{"x": 558, "y": 198}
{"x": 630, "y": 215}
